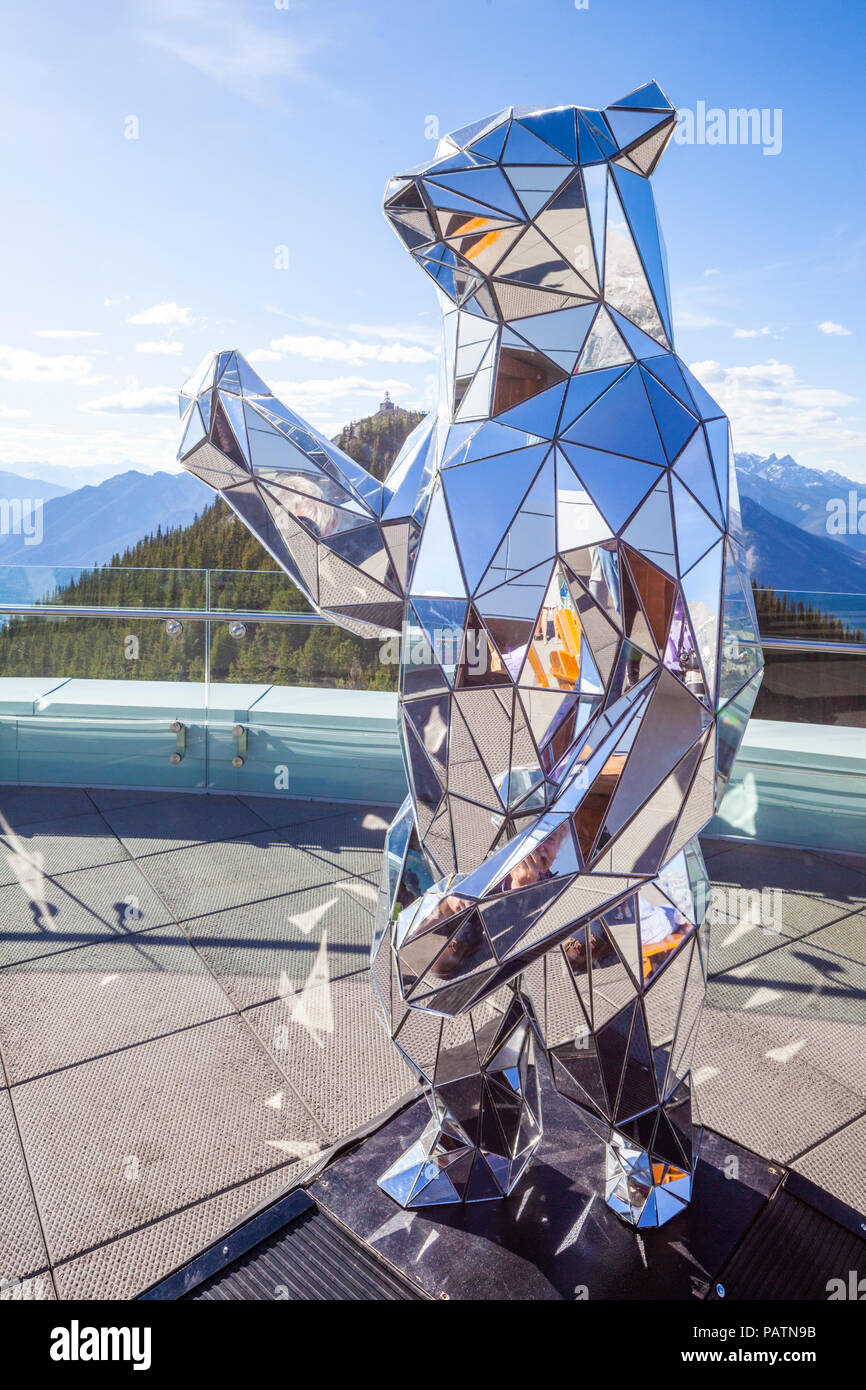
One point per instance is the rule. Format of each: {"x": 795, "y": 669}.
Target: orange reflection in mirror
{"x": 554, "y": 652}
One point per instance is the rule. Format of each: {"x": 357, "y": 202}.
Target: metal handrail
{"x": 797, "y": 644}
{"x": 744, "y": 761}
{"x": 61, "y": 610}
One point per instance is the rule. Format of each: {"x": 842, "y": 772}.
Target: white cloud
{"x": 166, "y": 347}
{"x": 712, "y": 271}
{"x": 696, "y": 317}
{"x": 111, "y": 303}
{"x": 771, "y": 410}
{"x": 87, "y": 447}
{"x": 427, "y": 334}
{"x": 751, "y": 332}
{"x": 162, "y": 314}
{"x": 148, "y": 400}
{"x": 225, "y": 45}
{"x": 333, "y": 389}
{"x": 352, "y": 352}
{"x": 263, "y": 355}
{"x": 331, "y": 402}
{"x": 8, "y": 412}
{"x": 19, "y": 364}
{"x": 65, "y": 333}
{"x": 834, "y": 330}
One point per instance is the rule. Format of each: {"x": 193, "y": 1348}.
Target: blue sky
{"x": 264, "y": 125}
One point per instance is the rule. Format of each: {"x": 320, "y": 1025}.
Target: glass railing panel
{"x": 813, "y": 688}
{"x": 809, "y": 615}
{"x": 95, "y": 701}
{"x": 288, "y": 654}
{"x": 99, "y": 648}
{"x": 299, "y": 654}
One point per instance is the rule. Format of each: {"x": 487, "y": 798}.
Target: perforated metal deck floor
{"x": 166, "y": 1024}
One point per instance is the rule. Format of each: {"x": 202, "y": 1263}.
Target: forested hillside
{"x": 167, "y": 570}
{"x": 375, "y": 441}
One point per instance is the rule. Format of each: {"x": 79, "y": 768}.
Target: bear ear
{"x": 649, "y": 97}
{"x": 643, "y": 123}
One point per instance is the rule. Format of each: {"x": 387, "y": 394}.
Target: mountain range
{"x": 91, "y": 524}
{"x": 797, "y": 494}
{"x": 15, "y": 485}
{"x": 781, "y": 555}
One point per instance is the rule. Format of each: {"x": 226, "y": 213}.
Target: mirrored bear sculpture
{"x": 558, "y": 543}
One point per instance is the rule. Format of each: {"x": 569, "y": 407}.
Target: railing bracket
{"x": 241, "y": 734}
{"x": 179, "y": 729}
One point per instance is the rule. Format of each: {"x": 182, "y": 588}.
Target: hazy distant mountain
{"x": 786, "y": 556}
{"x": 70, "y": 477}
{"x": 89, "y": 525}
{"x": 14, "y": 486}
{"x": 796, "y": 494}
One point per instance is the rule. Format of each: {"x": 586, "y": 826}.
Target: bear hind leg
{"x": 485, "y": 1104}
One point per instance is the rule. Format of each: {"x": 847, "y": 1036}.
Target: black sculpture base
{"x": 553, "y": 1238}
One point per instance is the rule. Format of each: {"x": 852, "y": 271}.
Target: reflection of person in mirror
{"x": 661, "y": 929}
{"x": 603, "y": 583}
{"x": 310, "y": 505}
{"x": 657, "y": 923}
{"x": 535, "y": 867}
{"x": 539, "y": 864}
{"x": 463, "y": 943}
{"x": 312, "y": 508}
{"x": 600, "y": 947}
{"x": 680, "y": 655}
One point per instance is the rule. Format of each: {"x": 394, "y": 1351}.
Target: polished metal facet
{"x": 559, "y": 545}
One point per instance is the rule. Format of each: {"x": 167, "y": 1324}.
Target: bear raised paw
{"x": 558, "y": 543}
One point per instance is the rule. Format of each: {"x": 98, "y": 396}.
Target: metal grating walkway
{"x": 792, "y": 1252}
{"x": 311, "y": 1259}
